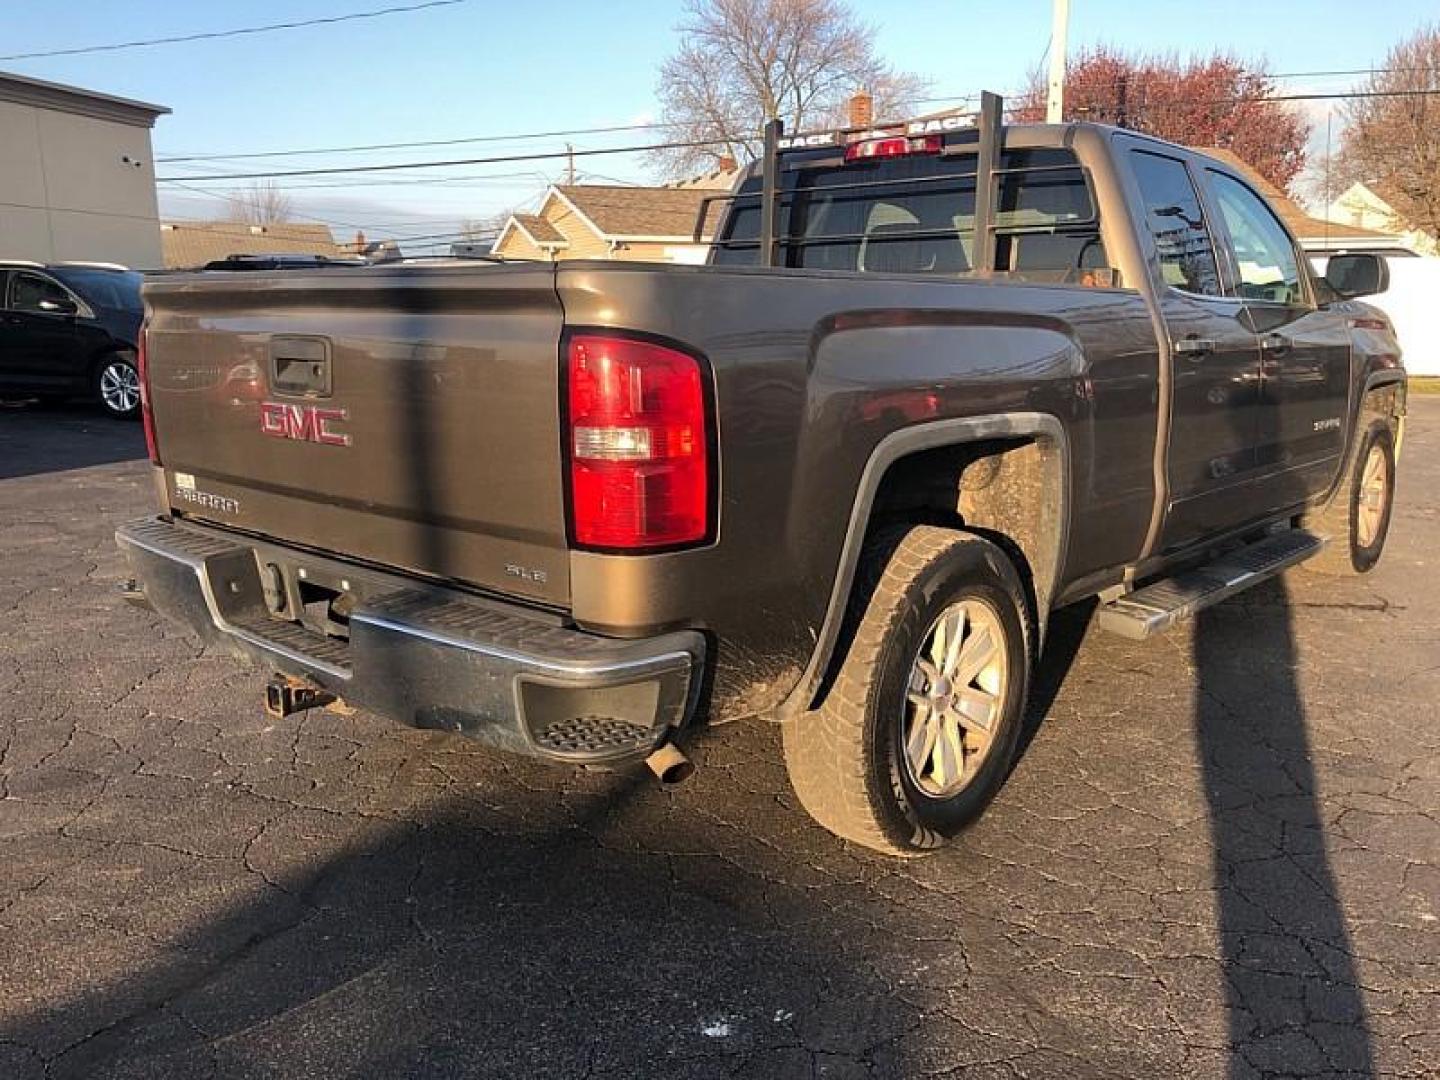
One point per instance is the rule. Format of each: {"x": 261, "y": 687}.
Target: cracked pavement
{"x": 1217, "y": 857}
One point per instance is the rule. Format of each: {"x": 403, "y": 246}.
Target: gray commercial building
{"x": 77, "y": 177}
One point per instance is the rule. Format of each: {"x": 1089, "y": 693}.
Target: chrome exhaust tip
{"x": 670, "y": 765}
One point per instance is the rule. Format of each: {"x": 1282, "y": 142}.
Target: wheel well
{"x": 1012, "y": 491}
{"x": 1386, "y": 401}
{"x": 101, "y": 355}
{"x": 1009, "y": 490}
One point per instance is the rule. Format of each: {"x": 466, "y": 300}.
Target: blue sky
{"x": 484, "y": 67}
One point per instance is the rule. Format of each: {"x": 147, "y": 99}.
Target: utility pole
{"x": 1059, "y": 26}
{"x": 569, "y": 164}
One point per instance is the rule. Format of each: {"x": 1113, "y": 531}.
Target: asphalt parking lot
{"x": 1219, "y": 855}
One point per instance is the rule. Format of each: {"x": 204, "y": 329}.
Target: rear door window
{"x": 119, "y": 289}
{"x": 28, "y": 291}
{"x": 916, "y": 215}
{"x": 1177, "y": 223}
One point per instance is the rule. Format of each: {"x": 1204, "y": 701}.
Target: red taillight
{"x": 895, "y": 146}
{"x": 142, "y": 368}
{"x": 638, "y": 445}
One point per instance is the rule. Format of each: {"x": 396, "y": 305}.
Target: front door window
{"x": 1265, "y": 258}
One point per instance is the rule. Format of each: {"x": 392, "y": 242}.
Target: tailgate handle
{"x": 300, "y": 366}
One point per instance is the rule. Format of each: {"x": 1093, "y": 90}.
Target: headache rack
{"x": 986, "y": 148}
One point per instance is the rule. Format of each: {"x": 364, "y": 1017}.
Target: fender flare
{"x": 897, "y": 445}
{"x": 1374, "y": 380}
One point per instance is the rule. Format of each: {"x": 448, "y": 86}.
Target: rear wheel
{"x": 117, "y": 386}
{"x": 1358, "y": 520}
{"x": 918, "y": 732}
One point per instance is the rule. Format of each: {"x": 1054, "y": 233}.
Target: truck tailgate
{"x": 407, "y": 416}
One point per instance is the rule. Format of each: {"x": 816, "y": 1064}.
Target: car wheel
{"x": 919, "y": 729}
{"x": 1358, "y": 520}
{"x": 117, "y": 386}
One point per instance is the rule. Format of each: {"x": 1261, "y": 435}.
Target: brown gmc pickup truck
{"x": 935, "y": 381}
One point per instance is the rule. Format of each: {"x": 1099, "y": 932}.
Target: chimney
{"x": 862, "y": 110}
{"x": 727, "y": 164}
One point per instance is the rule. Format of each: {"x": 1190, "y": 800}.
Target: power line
{"x": 239, "y": 31}
{"x": 508, "y": 179}
{"x": 1335, "y": 96}
{"x": 1338, "y": 71}
{"x": 612, "y": 128}
{"x": 547, "y": 156}
{"x": 240, "y": 229}
{"x": 306, "y": 217}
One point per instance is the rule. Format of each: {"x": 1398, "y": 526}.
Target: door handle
{"x": 1194, "y": 347}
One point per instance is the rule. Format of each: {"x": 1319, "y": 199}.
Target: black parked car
{"x": 70, "y": 329}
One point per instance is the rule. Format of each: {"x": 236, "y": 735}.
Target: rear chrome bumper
{"x": 430, "y": 657}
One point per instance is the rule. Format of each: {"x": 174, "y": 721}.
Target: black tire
{"x": 846, "y": 760}
{"x": 1349, "y": 550}
{"x": 115, "y": 386}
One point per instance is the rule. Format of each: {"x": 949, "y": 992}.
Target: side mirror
{"x": 64, "y": 306}
{"x": 1351, "y": 276}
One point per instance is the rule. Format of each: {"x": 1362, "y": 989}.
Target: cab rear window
{"x": 916, "y": 215}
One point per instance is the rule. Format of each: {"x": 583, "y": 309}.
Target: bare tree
{"x": 483, "y": 227}
{"x": 1391, "y": 143}
{"x": 262, "y": 203}
{"x": 742, "y": 61}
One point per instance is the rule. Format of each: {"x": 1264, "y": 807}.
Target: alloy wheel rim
{"x": 954, "y": 698}
{"x": 120, "y": 387}
{"x": 1374, "y": 493}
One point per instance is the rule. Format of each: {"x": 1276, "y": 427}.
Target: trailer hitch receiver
{"x": 284, "y": 696}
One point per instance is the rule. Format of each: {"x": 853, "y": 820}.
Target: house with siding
{"x": 602, "y": 221}
{"x": 1372, "y": 206}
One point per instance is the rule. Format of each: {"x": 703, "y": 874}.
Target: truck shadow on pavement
{"x": 1293, "y": 992}
{"x": 37, "y": 438}
{"x": 503, "y": 933}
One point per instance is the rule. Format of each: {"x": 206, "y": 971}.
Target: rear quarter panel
{"x": 812, "y": 371}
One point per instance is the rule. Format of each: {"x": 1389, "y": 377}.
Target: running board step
{"x": 1162, "y": 604}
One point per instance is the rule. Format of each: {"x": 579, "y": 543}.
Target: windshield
{"x": 103, "y": 288}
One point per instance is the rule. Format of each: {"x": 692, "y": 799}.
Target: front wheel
{"x": 918, "y": 732}
{"x": 117, "y": 386}
{"x": 1358, "y": 520}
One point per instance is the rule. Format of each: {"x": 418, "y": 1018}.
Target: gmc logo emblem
{"x": 303, "y": 423}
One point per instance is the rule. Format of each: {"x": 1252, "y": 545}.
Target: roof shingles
{"x": 634, "y": 212}
{"x": 540, "y": 230}
{"x": 190, "y": 244}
